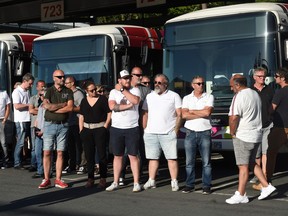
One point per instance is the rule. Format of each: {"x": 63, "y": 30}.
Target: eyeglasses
{"x": 276, "y": 76}
{"x": 60, "y": 77}
{"x": 92, "y": 90}
{"x": 199, "y": 83}
{"x": 138, "y": 75}
{"x": 145, "y": 83}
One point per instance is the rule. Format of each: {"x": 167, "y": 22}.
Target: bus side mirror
{"x": 286, "y": 49}
{"x": 18, "y": 67}
{"x": 144, "y": 54}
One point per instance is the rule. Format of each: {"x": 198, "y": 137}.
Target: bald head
{"x": 238, "y": 82}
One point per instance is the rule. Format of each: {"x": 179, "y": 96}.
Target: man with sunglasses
{"x": 58, "y": 102}
{"x": 74, "y": 157}
{"x": 196, "y": 110}
{"x": 124, "y": 132}
{"x": 279, "y": 133}
{"x": 161, "y": 123}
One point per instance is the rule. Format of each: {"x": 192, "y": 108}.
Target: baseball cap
{"x": 124, "y": 73}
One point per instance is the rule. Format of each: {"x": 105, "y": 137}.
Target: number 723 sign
{"x": 52, "y": 11}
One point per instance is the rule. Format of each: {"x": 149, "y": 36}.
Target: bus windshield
{"x": 85, "y": 58}
{"x": 3, "y": 66}
{"x": 216, "y": 49}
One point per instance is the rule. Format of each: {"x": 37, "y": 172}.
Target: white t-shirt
{"x": 20, "y": 96}
{"x": 247, "y": 105}
{"x": 128, "y": 118}
{"x": 161, "y": 111}
{"x": 4, "y": 100}
{"x": 191, "y": 102}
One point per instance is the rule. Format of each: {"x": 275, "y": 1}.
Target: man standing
{"x": 75, "y": 149}
{"x": 124, "y": 131}
{"x": 4, "y": 114}
{"x": 161, "y": 123}
{"x": 196, "y": 110}
{"x": 20, "y": 98}
{"x": 35, "y": 101}
{"x": 266, "y": 94}
{"x": 58, "y": 102}
{"x": 279, "y": 133}
{"x": 246, "y": 130}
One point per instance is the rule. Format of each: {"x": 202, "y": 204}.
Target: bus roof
{"x": 134, "y": 34}
{"x": 230, "y": 10}
{"x": 23, "y": 40}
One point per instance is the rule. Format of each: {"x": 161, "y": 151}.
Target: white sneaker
{"x": 266, "y": 191}
{"x": 254, "y": 180}
{"x": 174, "y": 185}
{"x": 237, "y": 198}
{"x": 149, "y": 184}
{"x": 136, "y": 187}
{"x": 112, "y": 187}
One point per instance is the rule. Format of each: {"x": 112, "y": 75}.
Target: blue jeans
{"x": 38, "y": 154}
{"x": 202, "y": 141}
{"x": 33, "y": 156}
{"x": 3, "y": 143}
{"x": 22, "y": 130}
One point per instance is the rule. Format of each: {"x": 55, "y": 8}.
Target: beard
{"x": 157, "y": 89}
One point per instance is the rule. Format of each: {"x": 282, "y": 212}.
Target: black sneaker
{"x": 19, "y": 167}
{"x": 187, "y": 189}
{"x": 32, "y": 169}
{"x": 206, "y": 191}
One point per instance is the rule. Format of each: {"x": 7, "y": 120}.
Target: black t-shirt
{"x": 54, "y": 96}
{"x": 281, "y": 113}
{"x": 266, "y": 95}
{"x": 96, "y": 113}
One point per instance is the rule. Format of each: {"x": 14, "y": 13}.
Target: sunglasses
{"x": 276, "y": 76}
{"x": 126, "y": 78}
{"x": 92, "y": 90}
{"x": 159, "y": 83}
{"x": 145, "y": 83}
{"x": 199, "y": 83}
{"x": 100, "y": 91}
{"x": 138, "y": 75}
{"x": 60, "y": 77}
{"x": 260, "y": 76}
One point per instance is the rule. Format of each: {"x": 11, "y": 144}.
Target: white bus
{"x": 219, "y": 42}
{"x": 15, "y": 61}
{"x": 97, "y": 53}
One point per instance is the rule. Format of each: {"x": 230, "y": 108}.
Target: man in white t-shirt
{"x": 20, "y": 98}
{"x": 245, "y": 124}
{"x": 161, "y": 123}
{"x": 4, "y": 114}
{"x": 124, "y": 132}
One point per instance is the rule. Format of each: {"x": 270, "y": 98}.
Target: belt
{"x": 57, "y": 122}
{"x": 93, "y": 125}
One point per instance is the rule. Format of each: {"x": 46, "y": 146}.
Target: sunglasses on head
{"x": 60, "y": 77}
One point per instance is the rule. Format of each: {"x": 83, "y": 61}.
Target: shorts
{"x": 55, "y": 134}
{"x": 124, "y": 138}
{"x": 245, "y": 152}
{"x": 262, "y": 150}
{"x": 156, "y": 143}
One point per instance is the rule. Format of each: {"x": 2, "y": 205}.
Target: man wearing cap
{"x": 124, "y": 133}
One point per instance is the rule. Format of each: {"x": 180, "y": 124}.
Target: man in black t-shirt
{"x": 58, "y": 102}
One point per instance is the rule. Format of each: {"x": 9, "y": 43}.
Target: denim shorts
{"x": 55, "y": 134}
{"x": 245, "y": 152}
{"x": 155, "y": 143}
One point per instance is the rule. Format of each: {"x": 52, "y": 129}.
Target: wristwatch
{"x": 121, "y": 89}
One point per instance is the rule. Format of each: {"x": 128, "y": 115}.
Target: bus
{"x": 217, "y": 43}
{"x": 97, "y": 53}
{"x": 15, "y": 60}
